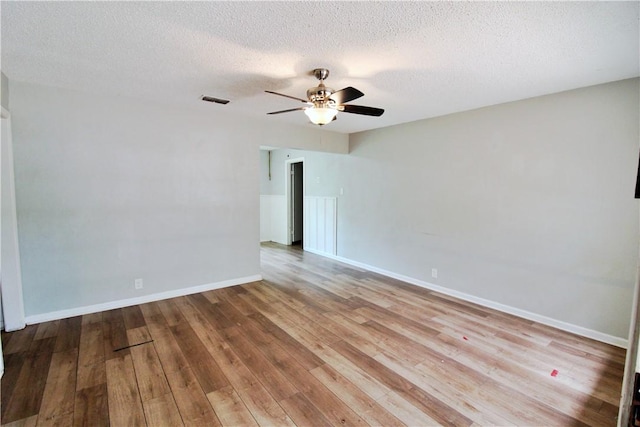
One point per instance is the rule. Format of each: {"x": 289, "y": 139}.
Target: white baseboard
{"x": 79, "y": 311}
{"x": 568, "y": 327}
{"x": 325, "y": 254}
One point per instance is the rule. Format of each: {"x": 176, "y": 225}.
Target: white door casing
{"x": 11, "y": 277}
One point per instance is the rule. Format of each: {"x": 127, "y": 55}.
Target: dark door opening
{"x": 297, "y": 200}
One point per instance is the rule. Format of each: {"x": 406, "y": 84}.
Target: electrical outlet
{"x": 434, "y": 273}
{"x": 138, "y": 283}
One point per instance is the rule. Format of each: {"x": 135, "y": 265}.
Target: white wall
{"x": 273, "y": 218}
{"x": 527, "y": 204}
{"x": 273, "y": 206}
{"x": 111, "y": 189}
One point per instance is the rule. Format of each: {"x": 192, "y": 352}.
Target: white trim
{"x": 79, "y": 311}
{"x": 13, "y": 301}
{"x": 320, "y": 224}
{"x": 568, "y": 327}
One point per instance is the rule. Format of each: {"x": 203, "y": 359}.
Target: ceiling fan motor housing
{"x": 320, "y": 94}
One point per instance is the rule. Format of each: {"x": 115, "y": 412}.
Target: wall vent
{"x": 212, "y": 99}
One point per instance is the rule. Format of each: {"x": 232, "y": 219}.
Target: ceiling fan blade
{"x": 345, "y": 95}
{"x": 287, "y": 111}
{"x": 287, "y": 96}
{"x": 361, "y": 109}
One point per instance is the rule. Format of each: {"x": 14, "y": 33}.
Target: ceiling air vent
{"x": 216, "y": 100}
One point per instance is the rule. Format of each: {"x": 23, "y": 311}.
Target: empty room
{"x": 320, "y": 213}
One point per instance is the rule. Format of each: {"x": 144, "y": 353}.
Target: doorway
{"x": 295, "y": 201}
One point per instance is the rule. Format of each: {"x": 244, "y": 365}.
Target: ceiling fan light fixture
{"x": 321, "y": 116}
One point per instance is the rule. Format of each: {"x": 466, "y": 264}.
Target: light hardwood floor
{"x": 315, "y": 343}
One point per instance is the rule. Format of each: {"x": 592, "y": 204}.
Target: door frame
{"x": 12, "y": 299}
{"x": 287, "y": 186}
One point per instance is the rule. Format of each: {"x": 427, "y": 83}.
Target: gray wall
{"x": 111, "y": 189}
{"x": 528, "y": 204}
{"x": 265, "y": 182}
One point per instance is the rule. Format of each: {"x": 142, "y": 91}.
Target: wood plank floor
{"x": 315, "y": 343}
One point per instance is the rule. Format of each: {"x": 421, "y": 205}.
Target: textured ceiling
{"x": 416, "y": 59}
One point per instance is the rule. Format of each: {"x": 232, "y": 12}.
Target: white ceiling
{"x": 416, "y": 59}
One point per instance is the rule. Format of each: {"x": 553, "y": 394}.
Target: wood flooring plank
{"x": 162, "y": 411}
{"x": 270, "y": 377}
{"x": 264, "y": 409}
{"x": 211, "y": 311}
{"x": 60, "y": 389}
{"x": 354, "y": 398}
{"x": 92, "y": 375}
{"x": 192, "y": 403}
{"x": 125, "y": 406}
{"x": 212, "y": 296}
{"x": 203, "y": 365}
{"x": 363, "y": 380}
{"x": 259, "y": 402}
{"x": 459, "y": 394}
{"x": 538, "y": 387}
{"x": 321, "y": 397}
{"x": 47, "y": 330}
{"x": 405, "y": 411}
{"x": 91, "y": 408}
{"x": 277, "y": 308}
{"x": 302, "y": 412}
{"x": 172, "y": 316}
{"x": 25, "y": 422}
{"x": 20, "y": 340}
{"x": 301, "y": 353}
{"x": 69, "y": 334}
{"x": 27, "y": 396}
{"x": 167, "y": 348}
{"x": 377, "y": 341}
{"x": 91, "y": 344}
{"x": 44, "y": 345}
{"x": 230, "y": 408}
{"x": 115, "y": 334}
{"x": 138, "y": 335}
{"x": 150, "y": 376}
{"x": 436, "y": 409}
{"x": 229, "y": 311}
{"x": 92, "y": 318}
{"x": 63, "y": 420}
{"x": 12, "y": 367}
{"x": 232, "y": 296}
{"x": 133, "y": 317}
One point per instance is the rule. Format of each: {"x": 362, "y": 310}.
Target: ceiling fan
{"x": 323, "y": 103}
